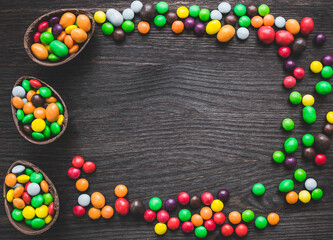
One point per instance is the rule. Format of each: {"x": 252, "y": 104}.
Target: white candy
{"x": 18, "y": 91}
{"x": 17, "y": 185}
{"x": 136, "y": 6}
{"x": 224, "y": 7}
{"x": 243, "y": 33}
{"x": 84, "y": 200}
{"x": 18, "y": 168}
{"x": 216, "y": 15}
{"x": 25, "y": 100}
{"x": 128, "y": 14}
{"x": 310, "y": 184}
{"x": 33, "y": 189}
{"x": 114, "y": 17}
{"x": 280, "y": 22}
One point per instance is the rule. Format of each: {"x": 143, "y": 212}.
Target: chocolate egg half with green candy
{"x": 39, "y": 113}
{"x": 20, "y": 171}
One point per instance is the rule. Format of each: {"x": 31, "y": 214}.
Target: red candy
{"x": 219, "y": 218}
{"x": 210, "y": 225}
{"x": 51, "y": 209}
{"x": 299, "y": 73}
{"x": 89, "y": 167}
{"x": 26, "y": 198}
{"x": 35, "y": 83}
{"x": 227, "y": 230}
{"x": 266, "y": 34}
{"x": 77, "y": 161}
{"x": 162, "y": 216}
{"x": 74, "y": 173}
{"x": 284, "y": 51}
{"x": 241, "y": 230}
{"x": 320, "y": 159}
{"x": 289, "y": 82}
{"x": 78, "y": 211}
{"x": 307, "y": 26}
{"x": 183, "y": 198}
{"x": 207, "y": 198}
{"x": 187, "y": 227}
{"x": 43, "y": 26}
{"x": 26, "y": 186}
{"x": 122, "y": 206}
{"x": 150, "y": 215}
{"x": 284, "y": 38}
{"x": 173, "y": 223}
{"x": 37, "y": 37}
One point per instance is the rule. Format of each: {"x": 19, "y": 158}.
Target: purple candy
{"x": 56, "y": 29}
{"x": 199, "y": 28}
{"x": 289, "y": 65}
{"x": 290, "y": 162}
{"x": 54, "y": 20}
{"x": 327, "y": 60}
{"x": 320, "y": 38}
{"x": 223, "y": 195}
{"x": 189, "y": 23}
{"x": 170, "y": 204}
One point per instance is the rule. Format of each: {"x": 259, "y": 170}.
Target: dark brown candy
{"x": 195, "y": 202}
{"x": 322, "y": 142}
{"x": 27, "y": 128}
{"x": 171, "y": 17}
{"x": 299, "y": 45}
{"x": 37, "y": 100}
{"x": 147, "y": 12}
{"x": 137, "y": 208}
{"x": 251, "y": 10}
{"x": 118, "y": 35}
{"x": 328, "y": 129}
{"x": 231, "y": 19}
{"x": 309, "y": 153}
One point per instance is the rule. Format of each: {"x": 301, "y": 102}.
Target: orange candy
{"x": 269, "y": 20}
{"x": 226, "y": 33}
{"x": 273, "y": 219}
{"x": 257, "y": 21}
{"x": 68, "y": 40}
{"x": 17, "y": 102}
{"x": 206, "y": 213}
{"x": 83, "y": 22}
{"x": 18, "y": 192}
{"x": 120, "y": 190}
{"x": 177, "y": 26}
{"x": 62, "y": 36}
{"x": 73, "y": 49}
{"x": 40, "y": 113}
{"x": 94, "y": 213}
{"x": 97, "y": 200}
{"x": 107, "y": 212}
{"x": 28, "y": 108}
{"x": 143, "y": 27}
{"x": 44, "y": 186}
{"x": 51, "y": 100}
{"x": 235, "y": 217}
{"x": 67, "y": 19}
{"x": 18, "y": 203}
{"x": 292, "y": 197}
{"x": 82, "y": 184}
{"x": 293, "y": 26}
{"x": 10, "y": 180}
{"x": 79, "y": 35}
{"x": 197, "y": 220}
{"x": 30, "y": 94}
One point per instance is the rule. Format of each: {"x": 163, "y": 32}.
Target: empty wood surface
{"x": 163, "y": 114}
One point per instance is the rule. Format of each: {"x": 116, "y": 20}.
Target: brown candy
{"x": 147, "y": 12}
{"x": 37, "y": 100}
{"x": 195, "y": 202}
{"x": 328, "y": 129}
{"x": 251, "y": 10}
{"x": 322, "y": 142}
{"x": 299, "y": 45}
{"x": 171, "y": 17}
{"x": 27, "y": 128}
{"x": 230, "y": 19}
{"x": 118, "y": 35}
{"x": 309, "y": 153}
{"x": 137, "y": 208}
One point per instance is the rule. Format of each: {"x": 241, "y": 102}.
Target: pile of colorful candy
{"x": 30, "y": 197}
{"x": 40, "y": 113}
{"x": 60, "y": 36}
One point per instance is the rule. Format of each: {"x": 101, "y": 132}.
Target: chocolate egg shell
{"x": 21, "y": 226}
{"x": 20, "y": 126}
{"x": 32, "y": 29}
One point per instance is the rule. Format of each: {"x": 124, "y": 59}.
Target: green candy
{"x": 37, "y": 201}
{"x": 295, "y": 98}
{"x": 46, "y": 38}
{"x": 248, "y": 216}
{"x": 194, "y": 11}
{"x": 240, "y": 10}
{"x": 38, "y": 136}
{"x": 26, "y": 85}
{"x": 308, "y": 140}
{"x": 184, "y": 215}
{"x": 327, "y": 72}
{"x": 278, "y": 157}
{"x": 53, "y": 58}
{"x": 244, "y": 21}
{"x": 155, "y": 203}
{"x": 55, "y": 128}
{"x": 288, "y": 124}
{"x": 160, "y": 21}
{"x": 45, "y": 92}
{"x": 128, "y": 26}
{"x": 107, "y": 28}
{"x": 258, "y": 189}
{"x": 37, "y": 223}
{"x": 47, "y": 132}
{"x": 28, "y": 171}
{"x": 162, "y": 7}
{"x": 260, "y": 222}
{"x": 28, "y": 221}
{"x": 323, "y": 88}
{"x": 291, "y": 145}
{"x": 17, "y": 215}
{"x": 61, "y": 108}
{"x": 300, "y": 175}
{"x": 28, "y": 119}
{"x": 20, "y": 114}
{"x": 36, "y": 177}
{"x": 200, "y": 232}
{"x": 47, "y": 122}
{"x": 263, "y": 10}
{"x": 48, "y": 198}
{"x": 317, "y": 194}
{"x": 286, "y": 185}
{"x": 204, "y": 14}
{"x": 59, "y": 48}
{"x": 309, "y": 114}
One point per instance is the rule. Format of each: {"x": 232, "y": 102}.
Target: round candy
{"x": 310, "y": 184}
{"x": 217, "y": 205}
{"x": 293, "y": 26}
{"x": 33, "y": 189}
{"x": 89, "y": 167}
{"x": 309, "y": 114}
{"x": 204, "y": 14}
{"x": 257, "y": 21}
{"x": 177, "y": 27}
{"x": 77, "y": 161}
{"x": 195, "y": 202}
{"x": 240, "y": 10}
{"x": 295, "y": 98}
{"x": 171, "y": 17}
{"x": 79, "y": 211}
{"x": 299, "y": 73}
{"x": 289, "y": 65}
{"x": 317, "y": 194}
{"x": 107, "y": 212}
{"x": 170, "y": 204}
{"x": 273, "y": 219}
{"x": 263, "y": 10}
{"x": 199, "y": 28}
{"x": 162, "y": 7}
{"x": 200, "y": 232}
{"x": 290, "y": 145}
{"x": 307, "y": 25}
{"x": 28, "y": 212}
{"x": 329, "y": 117}
{"x": 219, "y": 218}
{"x": 184, "y": 215}
{"x": 183, "y": 198}
{"x": 197, "y": 220}
{"x": 160, "y": 228}
{"x": 82, "y": 185}
{"x": 284, "y": 51}
{"x": 320, "y": 38}
{"x": 322, "y": 142}
{"x": 207, "y": 198}
{"x": 248, "y": 216}
{"x": 284, "y": 38}
{"x": 128, "y": 14}
{"x": 120, "y": 190}
{"x": 136, "y": 6}
{"x": 292, "y": 197}
{"x": 278, "y": 156}
{"x": 38, "y": 125}
{"x": 252, "y": 10}
{"x": 241, "y": 230}
{"x": 155, "y": 203}
{"x": 224, "y": 7}
{"x": 316, "y": 66}
{"x": 149, "y": 215}
{"x": 288, "y": 124}
{"x": 304, "y": 196}
{"x": 308, "y": 140}
{"x": 260, "y": 222}
{"x": 122, "y": 206}
{"x": 173, "y": 223}
{"x": 300, "y": 175}
{"x": 216, "y": 15}
{"x": 258, "y": 189}
{"x": 328, "y": 129}
{"x": 194, "y": 11}
{"x": 299, "y": 45}
{"x": 327, "y": 60}
{"x": 42, "y": 211}
{"x": 227, "y": 230}
{"x": 10, "y": 180}
{"x": 266, "y": 34}
{"x": 137, "y": 208}
{"x": 84, "y": 200}
{"x": 327, "y": 72}
{"x": 320, "y": 159}
{"x": 244, "y": 21}
{"x": 73, "y": 173}
{"x": 94, "y": 213}
{"x": 206, "y": 213}
{"x": 323, "y": 88}
{"x": 280, "y": 22}
{"x": 162, "y": 216}
{"x": 189, "y": 23}
{"x": 128, "y": 26}
{"x": 143, "y": 27}
{"x": 290, "y": 162}
{"x": 234, "y": 217}
{"x": 309, "y": 153}
{"x": 187, "y": 227}
{"x": 97, "y": 200}
{"x": 182, "y": 12}
{"x": 243, "y": 33}
{"x": 107, "y": 28}
{"x": 99, "y": 17}
{"x": 210, "y": 225}
{"x": 230, "y": 19}
{"x": 160, "y": 21}
{"x": 269, "y": 20}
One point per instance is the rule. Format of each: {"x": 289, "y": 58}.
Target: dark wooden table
{"x": 164, "y": 114}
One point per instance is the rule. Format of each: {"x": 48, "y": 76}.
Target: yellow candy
{"x": 38, "y": 125}
{"x": 49, "y": 29}
{"x": 60, "y": 119}
{"x": 69, "y": 29}
{"x": 182, "y": 12}
{"x": 42, "y": 211}
{"x": 23, "y": 178}
{"x": 217, "y": 205}
{"x": 99, "y": 17}
{"x": 28, "y": 212}
{"x": 160, "y": 228}
{"x": 213, "y": 27}
{"x": 47, "y": 47}
{"x": 316, "y": 66}
{"x": 329, "y": 117}
{"x": 308, "y": 100}
{"x": 48, "y": 219}
{"x": 9, "y": 195}
{"x": 304, "y": 196}
{"x": 37, "y": 92}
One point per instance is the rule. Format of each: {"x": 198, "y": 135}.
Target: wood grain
{"x": 164, "y": 113}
